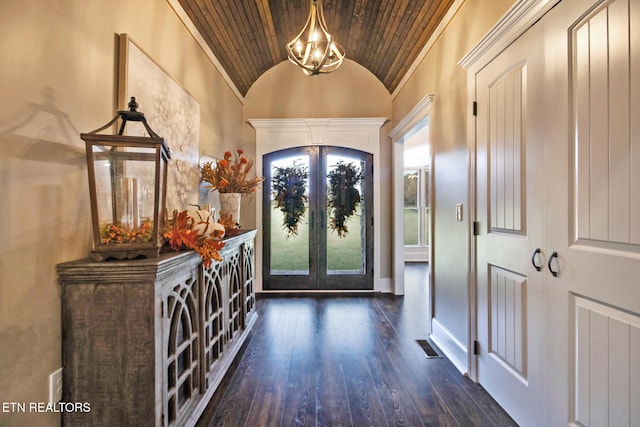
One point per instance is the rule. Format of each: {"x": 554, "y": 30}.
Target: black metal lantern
{"x": 127, "y": 185}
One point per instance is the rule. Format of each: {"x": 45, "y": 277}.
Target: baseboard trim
{"x": 455, "y": 351}
{"x": 384, "y": 285}
{"x": 315, "y": 294}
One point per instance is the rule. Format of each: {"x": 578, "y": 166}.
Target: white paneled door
{"x": 558, "y": 204}
{"x": 593, "y": 192}
{"x": 509, "y": 194}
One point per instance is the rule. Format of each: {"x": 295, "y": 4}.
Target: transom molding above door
{"x": 359, "y": 133}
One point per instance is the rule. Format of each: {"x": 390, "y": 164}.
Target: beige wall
{"x": 57, "y": 79}
{"x": 284, "y": 91}
{"x": 440, "y": 74}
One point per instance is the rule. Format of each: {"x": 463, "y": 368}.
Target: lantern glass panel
{"x": 125, "y": 186}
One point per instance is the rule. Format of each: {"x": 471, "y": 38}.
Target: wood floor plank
{"x": 457, "y": 400}
{"x": 396, "y": 402}
{"x": 332, "y": 403}
{"x": 364, "y": 402}
{"x": 267, "y": 406}
{"x": 300, "y": 399}
{"x": 404, "y": 358}
{"x": 300, "y": 407}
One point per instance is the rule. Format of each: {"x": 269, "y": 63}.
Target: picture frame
{"x": 171, "y": 111}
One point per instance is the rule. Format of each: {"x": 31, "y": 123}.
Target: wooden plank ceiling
{"x": 248, "y": 36}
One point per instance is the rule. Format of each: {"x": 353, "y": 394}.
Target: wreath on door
{"x": 289, "y": 185}
{"x": 343, "y": 197}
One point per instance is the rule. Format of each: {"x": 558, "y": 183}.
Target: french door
{"x": 317, "y": 219}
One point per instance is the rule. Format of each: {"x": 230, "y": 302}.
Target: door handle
{"x": 533, "y": 259}
{"x": 553, "y": 256}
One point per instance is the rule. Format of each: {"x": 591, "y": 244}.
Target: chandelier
{"x": 314, "y": 49}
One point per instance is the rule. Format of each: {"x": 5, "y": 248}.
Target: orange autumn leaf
{"x": 190, "y": 239}
{"x": 209, "y": 251}
{"x": 175, "y": 235}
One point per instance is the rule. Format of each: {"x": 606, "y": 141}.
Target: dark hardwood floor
{"x": 347, "y": 361}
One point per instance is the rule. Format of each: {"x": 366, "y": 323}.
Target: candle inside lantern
{"x": 130, "y": 216}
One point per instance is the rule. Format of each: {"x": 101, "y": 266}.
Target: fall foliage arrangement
{"x": 230, "y": 174}
{"x": 196, "y": 231}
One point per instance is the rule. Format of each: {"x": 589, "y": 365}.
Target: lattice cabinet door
{"x": 181, "y": 333}
{"x": 248, "y": 279}
{"x": 233, "y": 272}
{"x": 214, "y": 295}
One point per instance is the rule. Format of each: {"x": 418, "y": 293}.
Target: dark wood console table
{"x": 146, "y": 342}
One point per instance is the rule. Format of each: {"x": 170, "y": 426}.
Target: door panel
{"x": 607, "y": 358}
{"x": 507, "y": 338}
{"x": 314, "y": 255}
{"x": 607, "y": 163}
{"x": 510, "y": 292}
{"x": 594, "y": 308}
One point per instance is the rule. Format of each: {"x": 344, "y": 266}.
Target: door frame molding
{"x": 357, "y": 133}
{"x": 421, "y": 111}
{"x": 512, "y": 25}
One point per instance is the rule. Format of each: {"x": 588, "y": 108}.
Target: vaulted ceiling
{"x": 248, "y": 36}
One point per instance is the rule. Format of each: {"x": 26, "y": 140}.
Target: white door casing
{"x": 419, "y": 113}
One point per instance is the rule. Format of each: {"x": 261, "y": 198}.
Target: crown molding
{"x": 522, "y": 15}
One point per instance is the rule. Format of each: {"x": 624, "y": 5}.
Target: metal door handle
{"x": 551, "y": 258}
{"x": 533, "y": 259}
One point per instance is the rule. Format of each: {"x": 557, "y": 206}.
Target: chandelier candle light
{"x": 314, "y": 49}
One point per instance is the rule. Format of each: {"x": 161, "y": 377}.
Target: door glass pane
{"x": 345, "y": 215}
{"x": 411, "y": 208}
{"x": 289, "y": 234}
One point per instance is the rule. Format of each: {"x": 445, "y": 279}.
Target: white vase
{"x": 230, "y": 205}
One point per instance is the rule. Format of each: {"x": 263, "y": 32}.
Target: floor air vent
{"x": 428, "y": 350}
